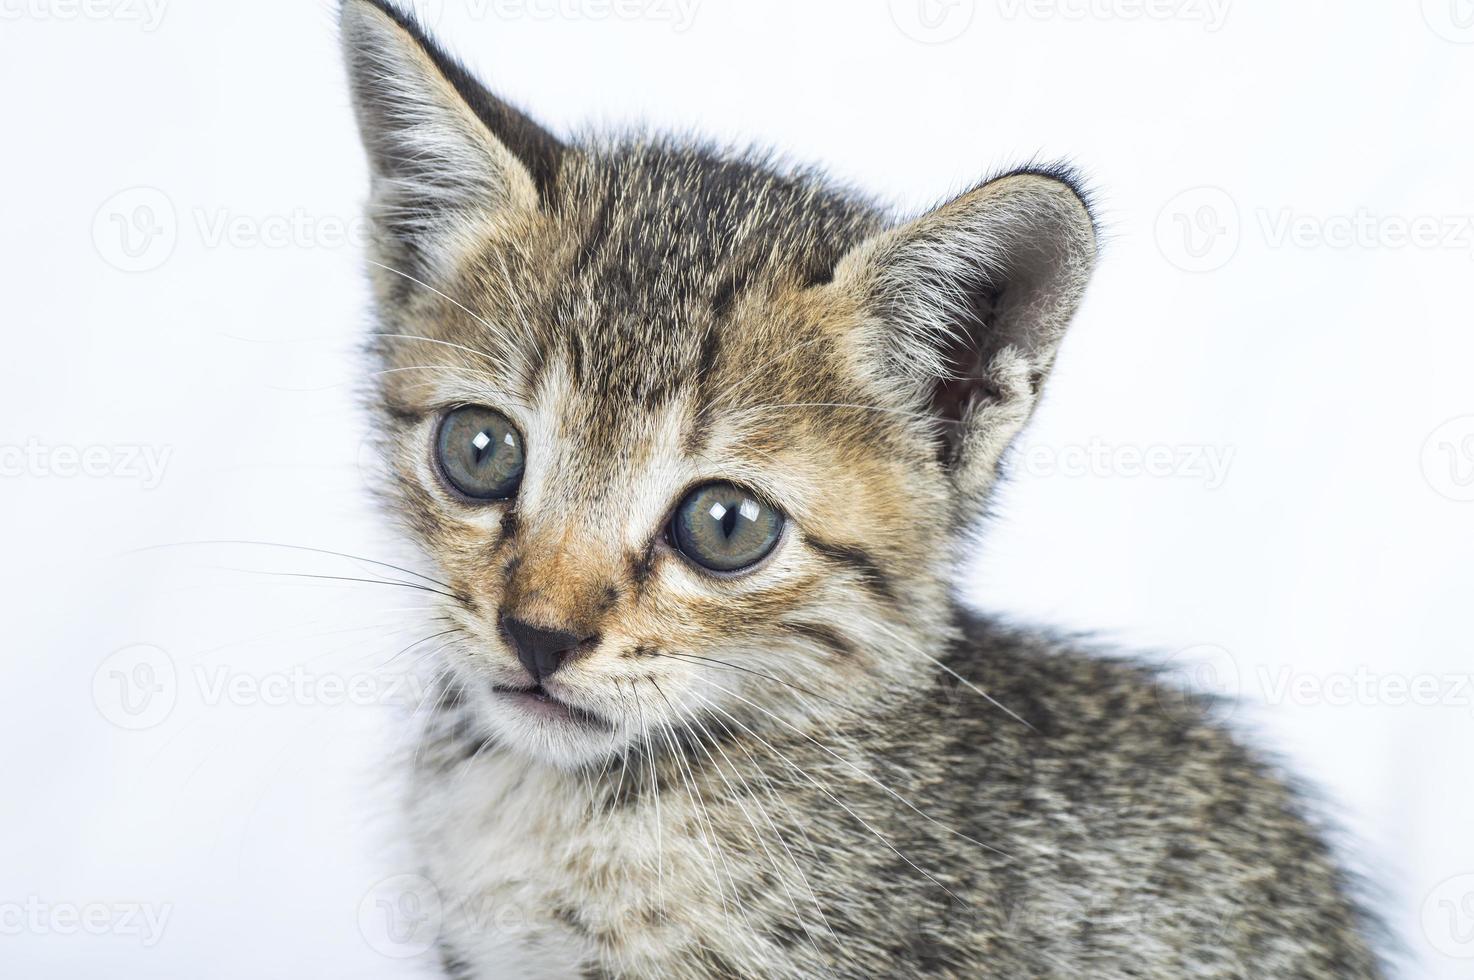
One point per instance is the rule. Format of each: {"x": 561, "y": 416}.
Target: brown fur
{"x": 794, "y": 780}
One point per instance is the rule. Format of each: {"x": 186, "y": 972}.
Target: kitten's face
{"x": 625, "y": 386}
{"x": 689, "y": 440}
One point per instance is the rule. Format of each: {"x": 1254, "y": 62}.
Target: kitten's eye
{"x": 724, "y": 528}
{"x": 480, "y": 452}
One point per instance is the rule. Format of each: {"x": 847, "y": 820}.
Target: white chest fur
{"x": 535, "y": 882}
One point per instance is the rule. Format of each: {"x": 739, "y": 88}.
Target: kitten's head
{"x": 689, "y": 439}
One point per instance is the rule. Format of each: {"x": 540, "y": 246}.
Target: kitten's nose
{"x": 541, "y": 650}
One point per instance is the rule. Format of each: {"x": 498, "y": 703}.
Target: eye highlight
{"x": 724, "y": 528}
{"x": 480, "y": 452}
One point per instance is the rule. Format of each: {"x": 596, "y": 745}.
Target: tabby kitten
{"x": 692, "y": 440}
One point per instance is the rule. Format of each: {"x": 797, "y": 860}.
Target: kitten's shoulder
{"x": 1140, "y": 782}
{"x": 1066, "y": 686}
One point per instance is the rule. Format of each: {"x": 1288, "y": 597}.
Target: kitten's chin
{"x": 537, "y": 725}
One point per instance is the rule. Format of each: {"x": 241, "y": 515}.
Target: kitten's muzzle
{"x": 542, "y": 650}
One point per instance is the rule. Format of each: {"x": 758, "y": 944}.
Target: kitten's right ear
{"x": 445, "y": 154}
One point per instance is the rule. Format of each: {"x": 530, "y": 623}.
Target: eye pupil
{"x": 480, "y": 453}
{"x": 723, "y": 527}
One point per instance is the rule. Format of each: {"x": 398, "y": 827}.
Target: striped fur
{"x": 795, "y": 781}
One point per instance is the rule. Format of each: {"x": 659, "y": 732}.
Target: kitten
{"x": 692, "y": 441}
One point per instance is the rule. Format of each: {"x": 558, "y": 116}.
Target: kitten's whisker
{"x": 913, "y": 648}
{"x": 445, "y": 690}
{"x": 347, "y": 578}
{"x": 361, "y": 657}
{"x": 834, "y": 799}
{"x": 468, "y": 765}
{"x": 602, "y": 784}
{"x": 767, "y": 781}
{"x": 655, "y": 795}
{"x": 417, "y": 727}
{"x": 702, "y": 737}
{"x": 621, "y": 759}
{"x": 860, "y": 772}
{"x": 290, "y": 629}
{"x": 495, "y": 331}
{"x": 703, "y": 817}
{"x": 443, "y": 368}
{"x": 758, "y": 673}
{"x": 434, "y": 636}
{"x": 443, "y": 343}
{"x": 297, "y": 547}
{"x": 588, "y": 788}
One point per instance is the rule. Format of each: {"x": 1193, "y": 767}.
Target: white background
{"x": 1258, "y": 166}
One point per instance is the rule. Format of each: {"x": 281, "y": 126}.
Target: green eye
{"x": 724, "y": 528}
{"x": 480, "y": 452}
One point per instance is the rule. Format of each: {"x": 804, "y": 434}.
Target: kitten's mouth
{"x": 540, "y": 704}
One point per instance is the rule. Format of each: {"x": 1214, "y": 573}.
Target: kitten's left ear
{"x": 444, "y": 152}
{"x": 967, "y": 306}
